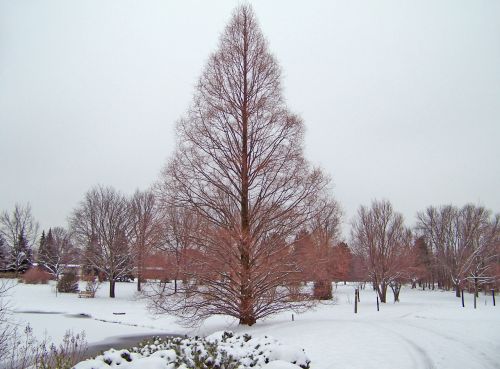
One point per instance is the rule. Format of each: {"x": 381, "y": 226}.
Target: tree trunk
{"x": 457, "y": 290}
{"x": 139, "y": 271}
{"x": 112, "y": 288}
{"x": 246, "y": 306}
{"x": 395, "y": 290}
{"x": 382, "y": 292}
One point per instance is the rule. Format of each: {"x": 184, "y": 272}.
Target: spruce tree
{"x": 3, "y": 254}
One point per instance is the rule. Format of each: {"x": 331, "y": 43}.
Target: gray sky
{"x": 401, "y": 99}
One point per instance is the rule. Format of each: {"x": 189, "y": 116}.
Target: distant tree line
{"x": 449, "y": 247}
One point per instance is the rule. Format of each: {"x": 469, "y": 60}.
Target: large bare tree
{"x": 239, "y": 165}
{"x": 463, "y": 242}
{"x": 19, "y": 231}
{"x": 102, "y": 224}
{"x": 381, "y": 239}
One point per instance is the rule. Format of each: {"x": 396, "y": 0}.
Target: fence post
{"x": 463, "y": 303}
{"x": 475, "y": 299}
{"x": 356, "y": 301}
{"x": 493, "y": 295}
{"x": 377, "y": 304}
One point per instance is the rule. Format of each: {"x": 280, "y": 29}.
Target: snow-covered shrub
{"x": 36, "y": 276}
{"x": 92, "y": 284}
{"x": 68, "y": 283}
{"x": 221, "y": 350}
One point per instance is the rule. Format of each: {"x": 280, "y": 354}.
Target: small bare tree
{"x": 381, "y": 239}
{"x": 314, "y": 247}
{"x": 146, "y": 228}
{"x": 19, "y": 231}
{"x": 57, "y": 251}
{"x": 103, "y": 225}
{"x": 181, "y": 235}
{"x": 239, "y": 166}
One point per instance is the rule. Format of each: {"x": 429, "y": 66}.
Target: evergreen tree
{"x": 21, "y": 257}
{"x": 3, "y": 254}
{"x": 41, "y": 247}
{"x": 46, "y": 249}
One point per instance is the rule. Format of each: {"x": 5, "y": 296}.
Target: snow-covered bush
{"x": 221, "y": 350}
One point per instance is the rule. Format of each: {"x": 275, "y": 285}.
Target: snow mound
{"x": 219, "y": 350}
{"x": 280, "y": 364}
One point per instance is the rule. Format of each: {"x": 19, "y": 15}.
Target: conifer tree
{"x": 239, "y": 166}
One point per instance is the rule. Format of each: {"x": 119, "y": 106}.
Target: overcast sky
{"x": 401, "y": 99}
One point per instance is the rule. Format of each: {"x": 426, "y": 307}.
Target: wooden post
{"x": 475, "y": 299}
{"x": 378, "y": 308}
{"x": 493, "y": 295}
{"x": 463, "y": 303}
{"x": 356, "y": 301}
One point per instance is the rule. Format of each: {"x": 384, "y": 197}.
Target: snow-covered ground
{"x": 427, "y": 329}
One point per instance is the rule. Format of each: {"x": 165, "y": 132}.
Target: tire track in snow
{"x": 420, "y": 352}
{"x": 471, "y": 349}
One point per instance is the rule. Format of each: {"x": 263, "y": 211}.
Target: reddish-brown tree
{"x": 314, "y": 249}
{"x": 239, "y": 166}
{"x": 146, "y": 230}
{"x": 381, "y": 239}
{"x": 340, "y": 262}
{"x": 181, "y": 234}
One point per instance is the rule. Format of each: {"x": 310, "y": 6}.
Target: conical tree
{"x": 239, "y": 165}
{"x": 4, "y": 255}
{"x": 21, "y": 255}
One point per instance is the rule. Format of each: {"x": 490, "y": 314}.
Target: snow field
{"x": 427, "y": 329}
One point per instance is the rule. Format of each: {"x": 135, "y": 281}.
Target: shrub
{"x": 322, "y": 290}
{"x": 68, "y": 283}
{"x": 93, "y": 283}
{"x": 69, "y": 352}
{"x": 36, "y": 276}
{"x": 25, "y": 351}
